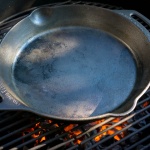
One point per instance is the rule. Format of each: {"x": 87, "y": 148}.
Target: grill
{"x": 24, "y": 130}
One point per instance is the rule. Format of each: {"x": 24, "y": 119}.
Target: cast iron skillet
{"x": 75, "y": 63}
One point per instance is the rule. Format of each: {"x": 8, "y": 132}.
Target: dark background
{"x": 10, "y": 7}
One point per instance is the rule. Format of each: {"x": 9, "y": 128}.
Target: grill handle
{"x": 129, "y": 14}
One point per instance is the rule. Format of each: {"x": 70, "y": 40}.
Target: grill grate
{"x": 19, "y": 134}
{"x": 24, "y": 130}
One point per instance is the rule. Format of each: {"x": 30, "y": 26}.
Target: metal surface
{"x": 80, "y": 67}
{"x": 58, "y": 140}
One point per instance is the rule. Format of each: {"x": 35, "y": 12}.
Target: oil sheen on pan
{"x": 74, "y": 72}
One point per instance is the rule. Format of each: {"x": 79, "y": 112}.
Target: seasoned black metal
{"x": 64, "y": 68}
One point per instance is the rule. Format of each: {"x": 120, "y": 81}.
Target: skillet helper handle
{"x": 138, "y": 19}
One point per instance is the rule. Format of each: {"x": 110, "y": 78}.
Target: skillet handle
{"x": 136, "y": 18}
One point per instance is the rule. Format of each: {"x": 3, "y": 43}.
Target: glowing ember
{"x": 70, "y": 127}
{"x": 43, "y": 139}
{"x": 35, "y": 135}
{"x": 77, "y": 141}
{"x": 116, "y": 120}
{"x": 73, "y": 134}
{"x": 77, "y": 132}
{"x": 145, "y": 104}
{"x": 49, "y": 121}
{"x": 56, "y": 125}
{"x": 37, "y": 125}
{"x": 97, "y": 138}
{"x": 96, "y": 122}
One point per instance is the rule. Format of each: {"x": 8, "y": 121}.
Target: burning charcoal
{"x": 139, "y": 116}
{"x": 134, "y": 138}
{"x": 25, "y": 148}
{"x": 1, "y": 99}
{"x": 130, "y": 120}
{"x": 132, "y": 129}
{"x": 57, "y": 135}
{"x": 123, "y": 143}
{"x": 93, "y": 132}
{"x": 86, "y": 145}
{"x": 139, "y": 147}
{"x": 126, "y": 147}
{"x": 26, "y": 115}
{"x": 56, "y": 142}
{"x": 142, "y": 123}
{"x": 117, "y": 147}
{"x": 108, "y": 142}
{"x": 148, "y": 93}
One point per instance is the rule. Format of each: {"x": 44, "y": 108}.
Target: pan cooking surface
{"x": 74, "y": 72}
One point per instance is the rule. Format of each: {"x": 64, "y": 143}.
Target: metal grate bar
{"x": 109, "y": 137}
{"x": 139, "y": 142}
{"x": 141, "y": 102}
{"x": 146, "y": 147}
{"x": 8, "y": 118}
{"x": 20, "y": 138}
{"x": 145, "y": 117}
{"x": 73, "y": 147}
{"x": 140, "y": 20}
{"x": 16, "y": 131}
{"x": 125, "y": 128}
{"x": 50, "y": 141}
{"x": 96, "y": 126}
{"x": 34, "y": 139}
{"x": 26, "y": 12}
{"x": 146, "y": 126}
{"x": 16, "y": 18}
{"x": 108, "y": 120}
{"x": 5, "y": 26}
{"x": 60, "y": 145}
{"x": 118, "y": 123}
{"x": 10, "y": 23}
{"x": 13, "y": 124}
{"x": 3, "y": 113}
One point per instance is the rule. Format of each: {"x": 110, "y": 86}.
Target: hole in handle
{"x": 1, "y": 99}
{"x": 141, "y": 21}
